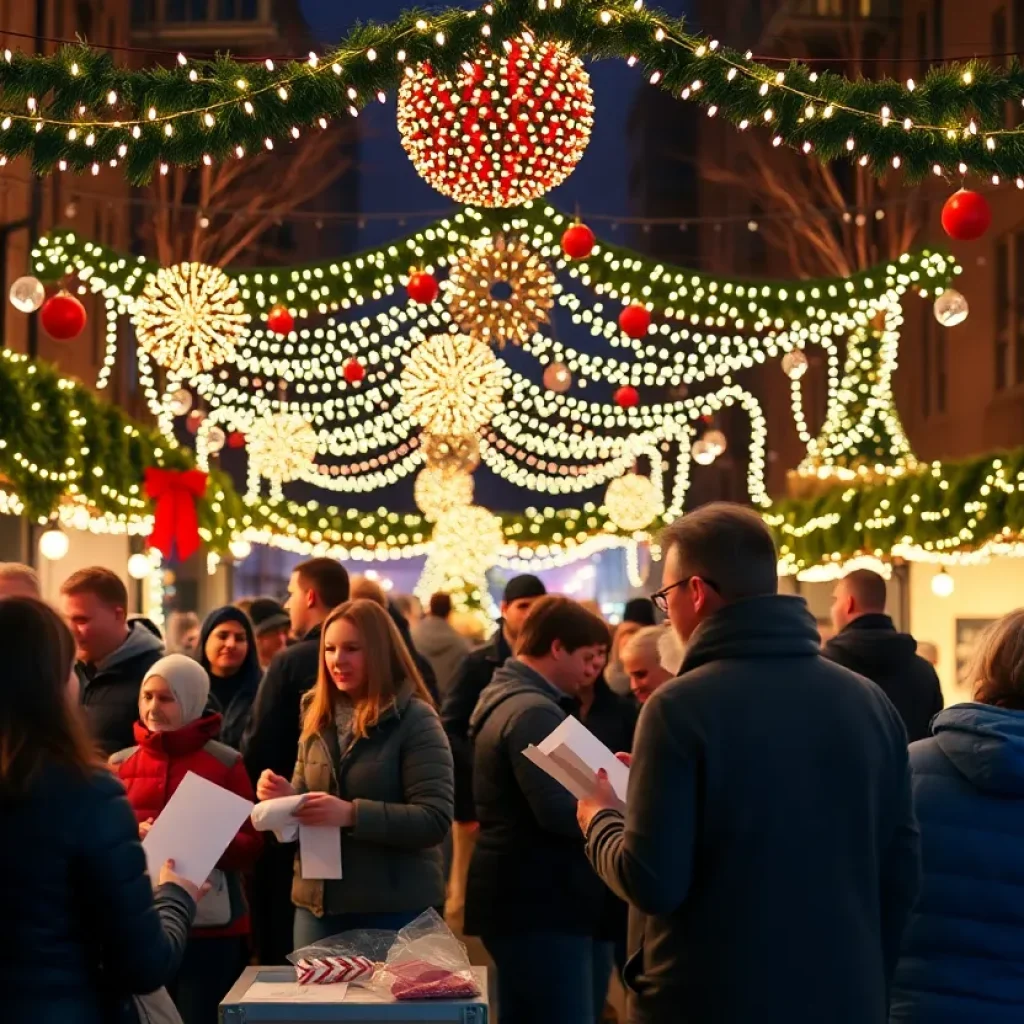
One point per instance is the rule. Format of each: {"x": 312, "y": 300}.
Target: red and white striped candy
{"x": 333, "y": 970}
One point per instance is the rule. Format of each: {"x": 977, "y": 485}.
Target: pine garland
{"x": 197, "y": 110}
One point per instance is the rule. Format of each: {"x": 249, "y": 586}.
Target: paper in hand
{"x": 320, "y": 851}
{"x": 194, "y": 829}
{"x": 573, "y": 755}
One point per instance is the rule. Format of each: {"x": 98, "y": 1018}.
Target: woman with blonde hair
{"x": 963, "y": 949}
{"x": 376, "y": 763}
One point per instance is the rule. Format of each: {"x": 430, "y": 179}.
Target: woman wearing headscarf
{"x": 227, "y": 650}
{"x": 176, "y": 736}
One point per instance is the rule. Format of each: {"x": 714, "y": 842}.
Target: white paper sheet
{"x": 195, "y": 828}
{"x": 320, "y": 852}
{"x": 292, "y": 992}
{"x": 572, "y": 756}
{"x": 277, "y": 814}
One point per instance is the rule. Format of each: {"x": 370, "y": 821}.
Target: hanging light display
{"x": 180, "y": 402}
{"x": 53, "y": 544}
{"x": 190, "y": 318}
{"x": 467, "y": 540}
{"x": 512, "y": 126}
{"x": 794, "y": 364}
{"x": 716, "y": 441}
{"x": 452, "y": 384}
{"x": 436, "y": 491}
{"x": 215, "y": 439}
{"x": 139, "y": 566}
{"x": 951, "y": 308}
{"x": 632, "y": 502}
{"x": 942, "y": 584}
{"x": 282, "y": 446}
{"x": 703, "y": 453}
{"x": 501, "y": 291}
{"x": 63, "y": 317}
{"x": 451, "y": 452}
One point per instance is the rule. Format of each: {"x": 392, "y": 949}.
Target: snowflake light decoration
{"x": 282, "y": 446}
{"x": 189, "y": 318}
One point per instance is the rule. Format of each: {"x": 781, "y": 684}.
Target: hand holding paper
{"x": 319, "y": 847}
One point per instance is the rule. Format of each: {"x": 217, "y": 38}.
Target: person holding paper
{"x": 376, "y": 764}
{"x": 531, "y": 895}
{"x": 768, "y": 848}
{"x": 315, "y": 587}
{"x": 175, "y": 737}
{"x": 81, "y": 930}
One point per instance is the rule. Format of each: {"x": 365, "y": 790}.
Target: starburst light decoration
{"x": 282, "y": 446}
{"x": 452, "y": 384}
{"x": 512, "y": 126}
{"x": 632, "y": 501}
{"x": 437, "y": 491}
{"x": 500, "y": 291}
{"x": 189, "y": 318}
{"x": 467, "y": 541}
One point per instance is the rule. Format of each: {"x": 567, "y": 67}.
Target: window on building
{"x": 1002, "y": 345}
{"x": 239, "y": 10}
{"x": 938, "y": 29}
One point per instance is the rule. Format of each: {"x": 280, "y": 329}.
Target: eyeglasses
{"x": 660, "y": 599}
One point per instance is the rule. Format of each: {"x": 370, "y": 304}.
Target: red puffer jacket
{"x": 153, "y": 770}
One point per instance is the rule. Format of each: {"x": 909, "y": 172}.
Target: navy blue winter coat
{"x": 963, "y": 952}
{"x": 80, "y": 931}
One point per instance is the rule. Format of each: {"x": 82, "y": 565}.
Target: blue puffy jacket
{"x": 963, "y": 953}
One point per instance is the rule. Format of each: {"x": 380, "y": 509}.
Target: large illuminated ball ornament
{"x": 632, "y": 502}
{"x": 716, "y": 441}
{"x": 179, "y": 402}
{"x": 454, "y": 453}
{"x": 467, "y": 540}
{"x": 437, "y": 491}
{"x": 703, "y": 453}
{"x": 635, "y": 321}
{"x": 240, "y": 549}
{"x": 578, "y": 242}
{"x": 215, "y": 440}
{"x": 951, "y": 308}
{"x": 63, "y": 317}
{"x": 966, "y": 216}
{"x": 942, "y": 584}
{"x": 189, "y": 318}
{"x": 27, "y": 294}
{"x": 512, "y": 126}
{"x": 282, "y": 446}
{"x": 794, "y": 364}
{"x": 54, "y": 544}
{"x": 452, "y": 384}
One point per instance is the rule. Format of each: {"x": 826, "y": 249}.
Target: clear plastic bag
{"x": 427, "y": 961}
{"x": 351, "y": 957}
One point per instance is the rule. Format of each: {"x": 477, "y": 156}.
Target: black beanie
{"x": 267, "y": 614}
{"x": 523, "y": 586}
{"x": 641, "y": 610}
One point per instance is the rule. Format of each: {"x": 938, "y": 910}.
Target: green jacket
{"x": 401, "y": 780}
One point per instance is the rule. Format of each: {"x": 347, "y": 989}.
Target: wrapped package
{"x": 351, "y": 957}
{"x": 426, "y": 961}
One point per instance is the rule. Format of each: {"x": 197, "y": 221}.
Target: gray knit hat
{"x": 188, "y": 682}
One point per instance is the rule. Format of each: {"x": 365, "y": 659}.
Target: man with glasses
{"x": 768, "y": 850}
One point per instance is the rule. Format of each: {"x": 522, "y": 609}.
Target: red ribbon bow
{"x": 175, "y": 521}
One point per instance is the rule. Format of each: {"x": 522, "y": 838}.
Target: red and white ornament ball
{"x": 627, "y": 397}
{"x": 280, "y": 320}
{"x": 354, "y": 371}
{"x": 423, "y": 288}
{"x": 63, "y": 317}
{"x": 635, "y": 321}
{"x": 508, "y": 129}
{"x": 578, "y": 242}
{"x": 966, "y": 216}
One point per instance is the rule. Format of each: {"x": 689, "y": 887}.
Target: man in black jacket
{"x": 113, "y": 654}
{"x": 531, "y": 895}
{"x": 460, "y": 700}
{"x": 768, "y": 850}
{"x": 867, "y": 642}
{"x": 271, "y": 742}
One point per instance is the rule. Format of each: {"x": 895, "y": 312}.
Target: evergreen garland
{"x": 955, "y": 115}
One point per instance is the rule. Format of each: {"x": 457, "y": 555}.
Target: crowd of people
{"x": 783, "y": 854}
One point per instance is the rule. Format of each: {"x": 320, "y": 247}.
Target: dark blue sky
{"x": 389, "y": 183}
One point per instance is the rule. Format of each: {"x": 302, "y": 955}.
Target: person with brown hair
{"x": 82, "y": 929}
{"x": 961, "y": 957}
{"x": 531, "y": 896}
{"x": 113, "y": 653}
{"x": 439, "y": 642}
{"x": 376, "y": 764}
{"x": 18, "y": 580}
{"x": 768, "y": 848}
{"x": 867, "y": 642}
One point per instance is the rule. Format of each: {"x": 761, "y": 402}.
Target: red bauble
{"x": 279, "y": 320}
{"x": 63, "y": 317}
{"x": 966, "y": 216}
{"x": 627, "y": 397}
{"x": 354, "y": 371}
{"x": 635, "y": 321}
{"x": 578, "y": 242}
{"x": 194, "y": 420}
{"x": 423, "y": 288}
{"x": 236, "y": 439}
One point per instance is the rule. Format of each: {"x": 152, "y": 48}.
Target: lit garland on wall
{"x": 79, "y": 110}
